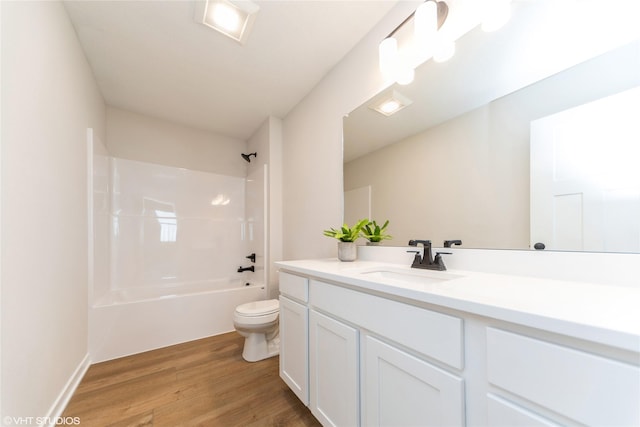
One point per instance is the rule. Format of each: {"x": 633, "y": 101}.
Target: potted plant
{"x": 374, "y": 233}
{"x": 347, "y": 237}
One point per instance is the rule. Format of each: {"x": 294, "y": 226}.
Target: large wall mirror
{"x": 494, "y": 140}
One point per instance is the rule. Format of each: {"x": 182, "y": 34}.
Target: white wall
{"x": 312, "y": 144}
{"x": 147, "y": 139}
{"x": 49, "y": 99}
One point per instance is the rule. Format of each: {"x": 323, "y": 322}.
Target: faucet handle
{"x": 443, "y": 253}
{"x": 417, "y": 258}
{"x": 438, "y": 257}
{"x": 437, "y": 260}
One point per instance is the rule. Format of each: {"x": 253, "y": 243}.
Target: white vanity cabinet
{"x": 294, "y": 334}
{"x": 377, "y": 356}
{"x": 399, "y": 384}
{"x": 372, "y": 361}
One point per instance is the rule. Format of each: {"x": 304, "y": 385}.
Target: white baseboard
{"x": 64, "y": 397}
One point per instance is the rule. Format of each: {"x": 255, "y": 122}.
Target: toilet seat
{"x": 258, "y": 308}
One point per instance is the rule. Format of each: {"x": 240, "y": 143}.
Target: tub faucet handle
{"x": 252, "y": 257}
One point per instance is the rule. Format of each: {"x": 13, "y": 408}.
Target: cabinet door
{"x": 333, "y": 366}
{"x": 294, "y": 357}
{"x": 402, "y": 390}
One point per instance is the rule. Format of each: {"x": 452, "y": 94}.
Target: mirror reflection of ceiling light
{"x": 233, "y": 18}
{"x": 391, "y": 104}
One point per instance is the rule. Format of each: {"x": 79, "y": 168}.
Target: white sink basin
{"x": 422, "y": 277}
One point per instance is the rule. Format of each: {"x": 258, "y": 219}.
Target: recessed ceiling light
{"x": 391, "y": 103}
{"x": 233, "y": 18}
{"x": 223, "y": 16}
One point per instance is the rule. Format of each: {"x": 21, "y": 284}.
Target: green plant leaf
{"x": 346, "y": 233}
{"x": 374, "y": 233}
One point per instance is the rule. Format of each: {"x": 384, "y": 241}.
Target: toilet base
{"x": 257, "y": 347}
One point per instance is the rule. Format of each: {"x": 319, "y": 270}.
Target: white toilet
{"x": 258, "y": 322}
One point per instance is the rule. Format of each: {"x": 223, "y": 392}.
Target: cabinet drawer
{"x": 296, "y": 287}
{"x": 435, "y": 335}
{"x": 503, "y": 413}
{"x": 589, "y": 389}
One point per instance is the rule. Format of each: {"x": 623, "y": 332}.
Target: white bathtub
{"x": 132, "y": 320}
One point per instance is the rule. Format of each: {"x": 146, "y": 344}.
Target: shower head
{"x": 247, "y": 157}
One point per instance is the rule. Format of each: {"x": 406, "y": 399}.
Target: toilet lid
{"x": 258, "y": 308}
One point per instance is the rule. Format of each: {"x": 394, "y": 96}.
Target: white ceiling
{"x": 151, "y": 57}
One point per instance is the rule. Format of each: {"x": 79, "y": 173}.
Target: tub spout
{"x": 241, "y": 269}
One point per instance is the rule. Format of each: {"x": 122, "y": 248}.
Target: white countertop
{"x": 608, "y": 315}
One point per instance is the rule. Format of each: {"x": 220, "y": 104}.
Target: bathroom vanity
{"x": 370, "y": 343}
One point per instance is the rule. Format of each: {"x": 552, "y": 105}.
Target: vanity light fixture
{"x": 428, "y": 41}
{"x": 391, "y": 104}
{"x": 233, "y": 18}
{"x": 427, "y": 19}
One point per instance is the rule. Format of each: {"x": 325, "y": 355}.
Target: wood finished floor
{"x": 199, "y": 383}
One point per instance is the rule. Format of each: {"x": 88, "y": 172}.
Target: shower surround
{"x": 167, "y": 244}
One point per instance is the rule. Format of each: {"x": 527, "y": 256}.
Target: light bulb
{"x": 388, "y": 57}
{"x": 426, "y": 24}
{"x": 390, "y": 106}
{"x": 226, "y": 17}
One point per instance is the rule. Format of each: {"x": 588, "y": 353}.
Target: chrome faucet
{"x": 241, "y": 269}
{"x": 427, "y": 260}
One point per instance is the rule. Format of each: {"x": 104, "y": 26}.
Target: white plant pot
{"x": 347, "y": 251}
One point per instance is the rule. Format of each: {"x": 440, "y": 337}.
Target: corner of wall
{"x": 312, "y": 144}
{"x": 61, "y": 402}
